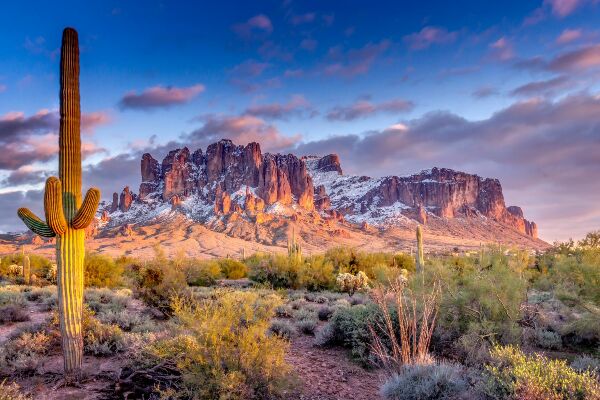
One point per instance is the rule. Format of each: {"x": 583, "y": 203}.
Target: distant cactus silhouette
{"x": 26, "y": 270}
{"x": 294, "y": 249}
{"x": 66, "y": 215}
{"x": 420, "y": 256}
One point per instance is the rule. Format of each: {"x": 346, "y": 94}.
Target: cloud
{"x": 249, "y": 69}
{"x": 25, "y": 175}
{"x": 568, "y": 35}
{"x": 257, "y": 26}
{"x": 10, "y": 202}
{"x": 502, "y": 49}
{"x": 484, "y": 91}
{"x": 364, "y": 108}
{"x": 303, "y": 18}
{"x": 309, "y": 44}
{"x": 544, "y": 152}
{"x": 29, "y": 139}
{"x": 577, "y": 60}
{"x": 113, "y": 173}
{"x": 563, "y": 8}
{"x": 541, "y": 88}
{"x": 240, "y": 129}
{"x": 38, "y": 46}
{"x": 297, "y": 106}
{"x": 352, "y": 62}
{"x": 429, "y": 35}
{"x": 159, "y": 97}
{"x": 2, "y": 88}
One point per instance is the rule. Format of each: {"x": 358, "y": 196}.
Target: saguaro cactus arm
{"x": 55, "y": 217}
{"x": 88, "y": 208}
{"x": 36, "y": 225}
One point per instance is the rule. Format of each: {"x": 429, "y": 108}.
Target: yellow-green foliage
{"x": 221, "y": 347}
{"x": 515, "y": 375}
{"x": 480, "y": 304}
{"x": 314, "y": 273}
{"x": 350, "y": 283}
{"x": 39, "y": 265}
{"x": 11, "y": 391}
{"x": 102, "y": 271}
{"x": 233, "y": 269}
{"x": 202, "y": 272}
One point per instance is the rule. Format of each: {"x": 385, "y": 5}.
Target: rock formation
{"x": 229, "y": 178}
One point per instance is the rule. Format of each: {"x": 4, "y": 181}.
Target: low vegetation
{"x": 492, "y": 324}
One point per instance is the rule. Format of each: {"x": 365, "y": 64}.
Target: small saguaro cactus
{"x": 66, "y": 214}
{"x": 420, "y": 256}
{"x": 26, "y": 270}
{"x": 294, "y": 249}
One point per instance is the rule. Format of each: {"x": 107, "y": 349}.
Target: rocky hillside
{"x": 229, "y": 197}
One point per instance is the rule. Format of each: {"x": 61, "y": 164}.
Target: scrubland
{"x": 496, "y": 323}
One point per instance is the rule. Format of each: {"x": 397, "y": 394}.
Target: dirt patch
{"x": 329, "y": 374}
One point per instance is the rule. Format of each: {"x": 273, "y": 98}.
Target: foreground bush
{"x": 515, "y": 375}
{"x": 427, "y": 382}
{"x": 220, "y": 349}
{"x": 11, "y": 391}
{"x": 102, "y": 271}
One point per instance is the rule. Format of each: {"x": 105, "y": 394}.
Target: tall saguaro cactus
{"x": 66, "y": 215}
{"x": 420, "y": 256}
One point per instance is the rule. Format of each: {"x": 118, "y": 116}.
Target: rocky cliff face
{"x": 232, "y": 179}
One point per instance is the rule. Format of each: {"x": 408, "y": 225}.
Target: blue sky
{"x": 501, "y": 89}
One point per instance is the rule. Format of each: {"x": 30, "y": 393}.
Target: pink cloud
{"x": 303, "y": 18}
{"x": 502, "y": 49}
{"x": 91, "y": 120}
{"x": 160, "y": 97}
{"x": 297, "y": 106}
{"x": 2, "y": 88}
{"x": 429, "y": 35}
{"x": 581, "y": 59}
{"x": 363, "y": 109}
{"x": 568, "y": 35}
{"x": 354, "y": 61}
{"x": 259, "y": 24}
{"x": 562, "y": 8}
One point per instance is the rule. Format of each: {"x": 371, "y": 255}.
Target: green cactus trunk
{"x": 420, "y": 256}
{"x": 66, "y": 215}
{"x": 26, "y": 270}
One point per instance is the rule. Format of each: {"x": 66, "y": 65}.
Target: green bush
{"x": 202, "y": 273}
{"x": 233, "y": 269}
{"x": 158, "y": 282}
{"x": 514, "y": 375}
{"x": 102, "y": 271}
{"x": 282, "y": 328}
{"x": 220, "y": 348}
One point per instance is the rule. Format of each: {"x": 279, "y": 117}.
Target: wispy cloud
{"x": 429, "y": 35}
{"x": 485, "y": 91}
{"x": 541, "y": 88}
{"x": 502, "y": 49}
{"x": 363, "y": 109}
{"x": 297, "y": 106}
{"x": 577, "y": 60}
{"x": 159, "y": 97}
{"x": 568, "y": 35}
{"x": 352, "y": 62}
{"x": 258, "y": 25}
{"x": 299, "y": 19}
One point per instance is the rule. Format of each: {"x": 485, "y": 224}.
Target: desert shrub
{"x": 11, "y": 391}
{"x": 583, "y": 330}
{"x": 233, "y": 269}
{"x": 39, "y": 295}
{"x": 105, "y": 300}
{"x": 128, "y": 321}
{"x": 350, "y": 283}
{"x": 514, "y": 375}
{"x": 11, "y": 295}
{"x": 324, "y": 313}
{"x": 221, "y": 350}
{"x": 480, "y": 303}
{"x": 586, "y": 363}
{"x": 22, "y": 354}
{"x": 158, "y": 282}
{"x": 284, "y": 311}
{"x": 101, "y": 271}
{"x": 349, "y": 327}
{"x": 317, "y": 273}
{"x": 202, "y": 273}
{"x": 40, "y": 265}
{"x": 13, "y": 313}
{"x": 548, "y": 339}
{"x": 304, "y": 313}
{"x": 282, "y": 328}
{"x": 101, "y": 339}
{"x": 427, "y": 381}
{"x": 307, "y": 326}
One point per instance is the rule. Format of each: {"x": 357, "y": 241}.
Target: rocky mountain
{"x": 229, "y": 197}
{"x": 231, "y": 179}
